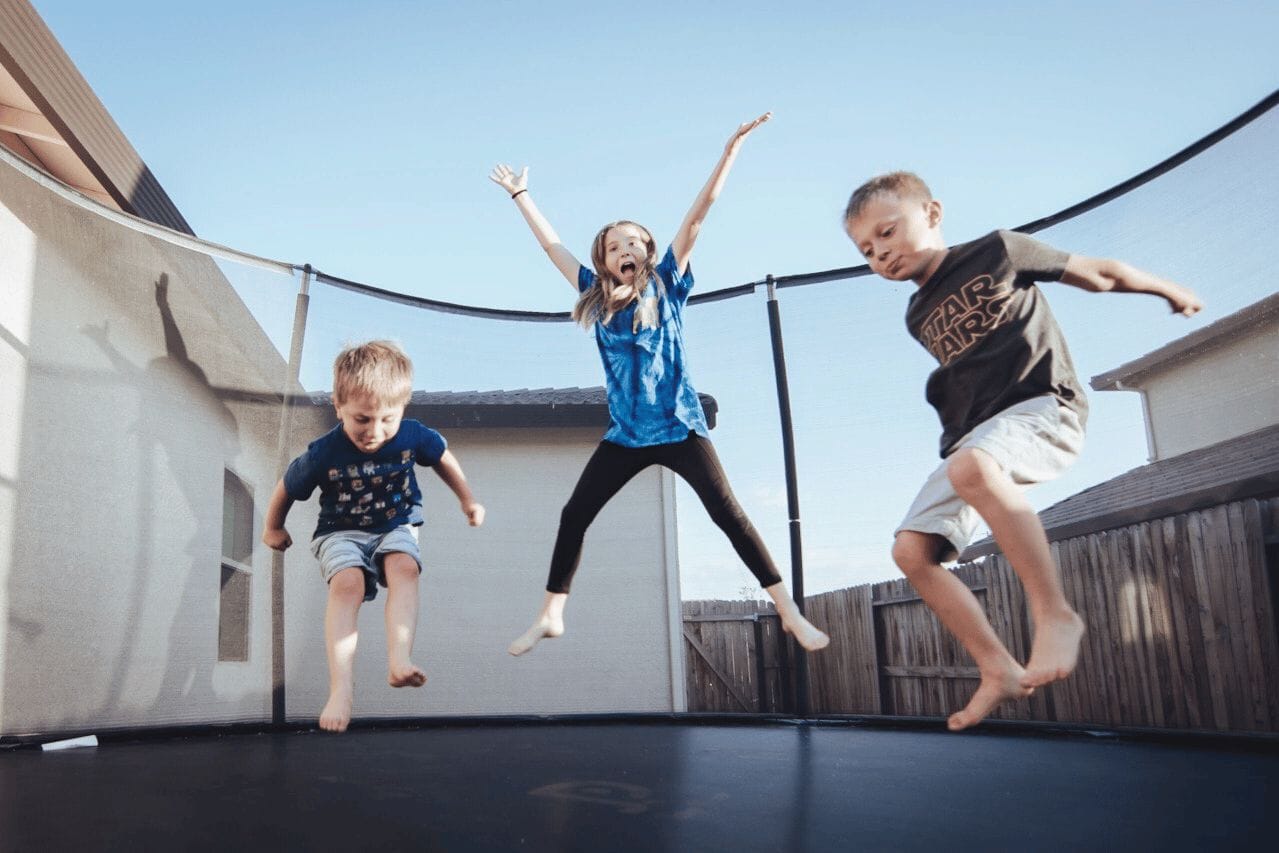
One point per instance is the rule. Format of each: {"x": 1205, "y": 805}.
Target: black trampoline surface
{"x": 644, "y": 784}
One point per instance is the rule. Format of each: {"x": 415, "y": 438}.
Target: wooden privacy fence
{"x": 1181, "y": 615}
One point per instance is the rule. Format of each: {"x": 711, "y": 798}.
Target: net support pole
{"x": 792, "y": 489}
{"x": 290, "y": 382}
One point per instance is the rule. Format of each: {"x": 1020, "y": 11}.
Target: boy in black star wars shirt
{"x": 1012, "y": 413}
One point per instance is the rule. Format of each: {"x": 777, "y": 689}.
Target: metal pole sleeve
{"x": 282, "y": 459}
{"x": 792, "y": 489}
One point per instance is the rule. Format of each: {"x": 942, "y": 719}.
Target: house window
{"x": 237, "y": 569}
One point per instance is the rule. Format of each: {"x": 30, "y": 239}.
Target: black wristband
{"x": 517, "y": 192}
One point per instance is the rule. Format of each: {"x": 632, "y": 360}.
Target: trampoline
{"x": 646, "y": 783}
{"x": 191, "y": 372}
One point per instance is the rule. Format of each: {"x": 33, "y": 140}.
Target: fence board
{"x": 1181, "y": 633}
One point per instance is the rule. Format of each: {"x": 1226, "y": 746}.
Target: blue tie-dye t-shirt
{"x": 370, "y": 492}
{"x": 650, "y": 397}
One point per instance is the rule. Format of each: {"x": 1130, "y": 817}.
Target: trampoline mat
{"x": 649, "y": 785}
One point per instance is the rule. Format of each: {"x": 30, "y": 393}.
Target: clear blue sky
{"x": 358, "y": 137}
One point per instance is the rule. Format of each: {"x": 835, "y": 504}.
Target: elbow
{"x": 1105, "y": 276}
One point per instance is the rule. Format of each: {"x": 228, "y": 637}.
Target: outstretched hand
{"x": 744, "y": 129}
{"x": 1183, "y": 301}
{"x": 506, "y": 178}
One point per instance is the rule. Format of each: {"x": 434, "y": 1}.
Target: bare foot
{"x": 544, "y": 628}
{"x": 994, "y": 689}
{"x": 1055, "y": 651}
{"x": 405, "y": 675}
{"x": 336, "y": 715}
{"x": 806, "y": 634}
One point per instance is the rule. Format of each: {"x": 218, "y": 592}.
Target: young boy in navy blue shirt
{"x": 370, "y": 512}
{"x": 1012, "y": 413}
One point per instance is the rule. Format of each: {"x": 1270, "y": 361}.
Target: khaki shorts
{"x": 1033, "y": 442}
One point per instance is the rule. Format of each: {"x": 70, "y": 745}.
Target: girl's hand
{"x": 474, "y": 513}
{"x": 506, "y": 178}
{"x": 744, "y": 130}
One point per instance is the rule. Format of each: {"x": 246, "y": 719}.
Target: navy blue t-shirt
{"x": 369, "y": 492}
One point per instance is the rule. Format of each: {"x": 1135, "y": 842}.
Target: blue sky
{"x": 358, "y": 137}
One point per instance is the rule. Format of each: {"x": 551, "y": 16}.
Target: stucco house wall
{"x": 1215, "y": 384}
{"x": 132, "y": 377}
{"x": 128, "y": 387}
{"x": 482, "y": 587}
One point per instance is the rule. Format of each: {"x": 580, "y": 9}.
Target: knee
{"x": 728, "y": 514}
{"x": 971, "y": 472}
{"x": 571, "y": 519}
{"x": 347, "y": 584}
{"x": 914, "y": 552}
{"x": 400, "y": 568}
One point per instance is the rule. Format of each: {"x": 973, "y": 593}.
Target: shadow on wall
{"x": 165, "y": 381}
{"x": 121, "y": 497}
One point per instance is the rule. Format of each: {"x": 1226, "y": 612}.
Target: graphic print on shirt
{"x": 965, "y": 317}
{"x": 372, "y": 492}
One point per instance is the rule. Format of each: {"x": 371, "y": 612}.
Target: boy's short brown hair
{"x": 377, "y": 369}
{"x": 900, "y": 184}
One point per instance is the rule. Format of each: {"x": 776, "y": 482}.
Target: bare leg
{"x": 549, "y": 623}
{"x": 346, "y": 593}
{"x": 793, "y": 622}
{"x": 401, "y": 620}
{"x": 985, "y": 486}
{"x": 961, "y": 613}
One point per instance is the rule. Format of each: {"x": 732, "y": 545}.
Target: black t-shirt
{"x": 983, "y": 319}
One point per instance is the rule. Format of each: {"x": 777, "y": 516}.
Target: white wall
{"x": 1227, "y": 391}
{"x": 122, "y": 408}
{"x": 482, "y": 587}
{"x": 123, "y": 405}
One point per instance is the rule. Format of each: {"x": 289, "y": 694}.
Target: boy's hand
{"x": 277, "y": 539}
{"x": 474, "y": 513}
{"x": 1183, "y": 301}
{"x": 506, "y": 178}
{"x": 744, "y": 130}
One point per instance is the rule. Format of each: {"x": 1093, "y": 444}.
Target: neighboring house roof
{"x": 1230, "y": 326}
{"x": 537, "y": 407}
{"x": 50, "y": 117}
{"x": 1240, "y": 468}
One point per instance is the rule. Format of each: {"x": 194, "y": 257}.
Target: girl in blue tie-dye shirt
{"x": 634, "y": 300}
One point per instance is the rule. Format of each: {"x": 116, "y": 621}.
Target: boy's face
{"x": 625, "y": 250}
{"x": 899, "y": 237}
{"x": 368, "y": 422}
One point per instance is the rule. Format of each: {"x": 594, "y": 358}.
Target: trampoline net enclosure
{"x": 154, "y": 385}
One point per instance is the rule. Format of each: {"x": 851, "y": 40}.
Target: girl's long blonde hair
{"x": 606, "y": 298}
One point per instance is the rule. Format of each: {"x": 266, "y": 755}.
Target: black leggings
{"x": 612, "y": 466}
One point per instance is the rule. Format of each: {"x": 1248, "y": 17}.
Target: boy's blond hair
{"x": 901, "y": 184}
{"x": 377, "y": 369}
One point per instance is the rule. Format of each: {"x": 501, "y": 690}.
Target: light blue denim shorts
{"x": 1033, "y": 441}
{"x": 354, "y": 549}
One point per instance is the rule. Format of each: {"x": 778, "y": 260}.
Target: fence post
{"x": 282, "y": 458}
{"x": 792, "y": 490}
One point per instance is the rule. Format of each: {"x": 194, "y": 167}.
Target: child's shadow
{"x": 183, "y": 416}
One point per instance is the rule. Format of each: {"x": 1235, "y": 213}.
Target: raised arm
{"x": 682, "y": 245}
{"x": 516, "y": 186}
{"x": 450, "y": 471}
{"x": 1102, "y": 275}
